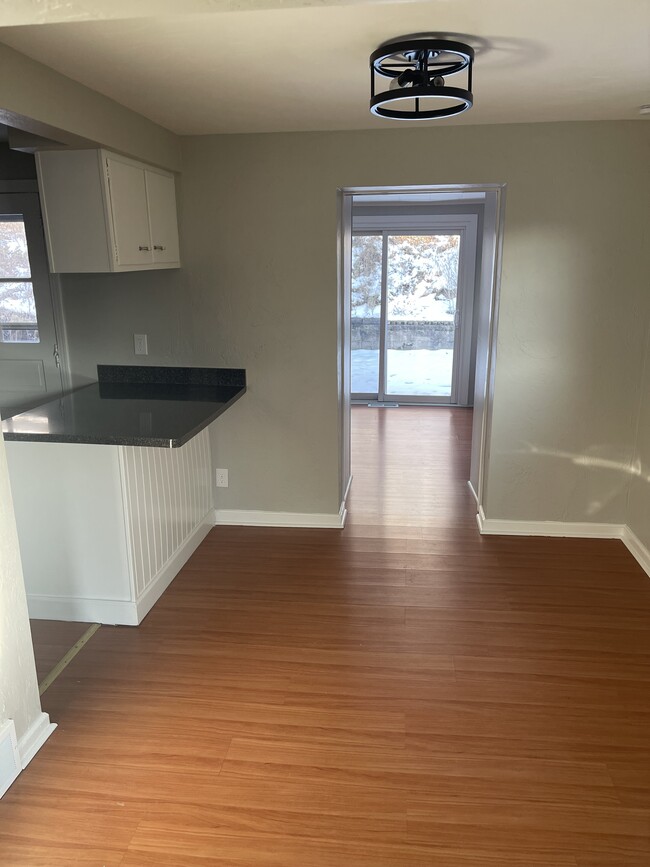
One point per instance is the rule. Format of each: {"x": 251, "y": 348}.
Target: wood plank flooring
{"x": 52, "y": 639}
{"x": 403, "y": 693}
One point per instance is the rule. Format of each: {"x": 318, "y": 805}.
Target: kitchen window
{"x": 18, "y": 322}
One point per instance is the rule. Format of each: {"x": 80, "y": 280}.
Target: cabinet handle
{"x": 143, "y": 248}
{"x": 158, "y": 247}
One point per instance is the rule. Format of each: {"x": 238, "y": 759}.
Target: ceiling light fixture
{"x": 417, "y": 69}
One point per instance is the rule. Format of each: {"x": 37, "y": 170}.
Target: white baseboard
{"x": 637, "y": 549}
{"x": 34, "y": 738}
{"x": 577, "y": 530}
{"x": 581, "y": 530}
{"x": 161, "y": 581}
{"x": 83, "y": 610}
{"x": 10, "y": 764}
{"x": 250, "y": 518}
{"x": 116, "y": 611}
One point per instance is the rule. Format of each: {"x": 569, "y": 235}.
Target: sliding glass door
{"x": 367, "y": 342}
{"x": 412, "y": 298}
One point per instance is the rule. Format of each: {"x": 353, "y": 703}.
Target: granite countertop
{"x": 133, "y": 405}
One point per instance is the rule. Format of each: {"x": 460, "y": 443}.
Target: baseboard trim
{"x": 117, "y": 612}
{"x": 579, "y": 530}
{"x": 170, "y": 570}
{"x": 637, "y": 549}
{"x": 10, "y": 765}
{"x": 34, "y": 738}
{"x": 250, "y": 518}
{"x": 576, "y": 530}
{"x": 111, "y": 612}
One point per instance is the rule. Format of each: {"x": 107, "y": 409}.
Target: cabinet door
{"x": 161, "y": 197}
{"x": 130, "y": 219}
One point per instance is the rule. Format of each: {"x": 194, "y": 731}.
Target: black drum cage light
{"x": 417, "y": 69}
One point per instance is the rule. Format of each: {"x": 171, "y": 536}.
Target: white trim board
{"x": 580, "y": 530}
{"x": 34, "y": 738}
{"x": 568, "y": 529}
{"x": 251, "y": 518}
{"x": 637, "y": 549}
{"x": 82, "y": 610}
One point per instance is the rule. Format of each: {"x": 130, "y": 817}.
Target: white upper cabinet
{"x": 161, "y": 198}
{"x": 104, "y": 212}
{"x": 129, "y": 213}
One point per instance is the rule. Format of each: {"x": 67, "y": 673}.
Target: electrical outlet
{"x": 222, "y": 478}
{"x": 140, "y": 344}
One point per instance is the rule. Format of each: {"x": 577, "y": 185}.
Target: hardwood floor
{"x": 403, "y": 693}
{"x": 52, "y": 639}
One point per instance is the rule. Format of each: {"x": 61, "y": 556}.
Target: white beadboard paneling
{"x": 163, "y": 579}
{"x": 104, "y": 529}
{"x": 166, "y": 499}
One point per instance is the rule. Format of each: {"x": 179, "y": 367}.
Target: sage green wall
{"x": 104, "y": 311}
{"x": 258, "y": 289}
{"x": 36, "y": 98}
{"x": 259, "y": 219}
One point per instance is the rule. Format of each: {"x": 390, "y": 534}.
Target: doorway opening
{"x": 418, "y": 293}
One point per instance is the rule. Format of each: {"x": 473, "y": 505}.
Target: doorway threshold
{"x": 386, "y": 404}
{"x": 67, "y": 658}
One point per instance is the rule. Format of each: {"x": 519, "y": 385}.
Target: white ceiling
{"x": 305, "y": 67}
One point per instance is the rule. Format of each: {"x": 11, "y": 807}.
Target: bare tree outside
{"x": 366, "y": 275}
{"x": 17, "y": 305}
{"x": 422, "y": 287}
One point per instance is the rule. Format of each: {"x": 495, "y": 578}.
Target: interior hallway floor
{"x": 52, "y": 640}
{"x": 403, "y": 693}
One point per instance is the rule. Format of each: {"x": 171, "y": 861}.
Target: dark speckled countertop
{"x": 133, "y": 406}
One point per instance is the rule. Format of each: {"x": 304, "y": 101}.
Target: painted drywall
{"x": 104, "y": 311}
{"x": 19, "y": 699}
{"x": 36, "y": 98}
{"x": 259, "y": 221}
{"x": 259, "y": 283}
